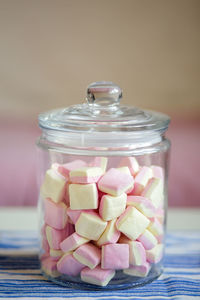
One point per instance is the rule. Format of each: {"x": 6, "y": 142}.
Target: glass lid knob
{"x": 104, "y": 94}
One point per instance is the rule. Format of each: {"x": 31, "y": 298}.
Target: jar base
{"x": 121, "y": 281}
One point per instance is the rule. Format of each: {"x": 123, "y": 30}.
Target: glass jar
{"x": 103, "y": 171}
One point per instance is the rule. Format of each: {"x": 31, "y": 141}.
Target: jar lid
{"x": 103, "y": 117}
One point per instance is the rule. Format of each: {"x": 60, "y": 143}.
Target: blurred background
{"x": 51, "y": 50}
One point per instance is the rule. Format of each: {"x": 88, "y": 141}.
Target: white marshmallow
{"x": 90, "y": 226}
{"x": 138, "y": 271}
{"x": 83, "y": 196}
{"x": 155, "y": 254}
{"x": 53, "y": 186}
{"x": 112, "y": 207}
{"x": 86, "y": 175}
{"x": 132, "y": 223}
{"x": 154, "y": 191}
{"x": 110, "y": 235}
{"x": 141, "y": 179}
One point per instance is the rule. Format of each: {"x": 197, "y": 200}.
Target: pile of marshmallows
{"x": 98, "y": 221}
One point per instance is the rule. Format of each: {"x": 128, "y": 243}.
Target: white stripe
{"x": 19, "y": 252}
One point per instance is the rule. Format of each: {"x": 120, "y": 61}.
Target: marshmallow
{"x": 68, "y": 265}
{"x": 154, "y": 191}
{"x": 55, "y": 166}
{"x": 155, "y": 254}
{"x": 97, "y": 276}
{"x": 66, "y": 194}
{"x": 123, "y": 239}
{"x": 72, "y": 242}
{"x": 115, "y": 256}
{"x": 100, "y": 162}
{"x": 142, "y": 179}
{"x": 160, "y": 215}
{"x": 131, "y": 163}
{"x": 132, "y": 223}
{"x": 138, "y": 271}
{"x": 156, "y": 228}
{"x": 70, "y": 229}
{"x": 137, "y": 253}
{"x": 147, "y": 239}
{"x": 90, "y": 226}
{"x": 55, "y": 254}
{"x": 49, "y": 266}
{"x": 85, "y": 175}
{"x": 83, "y": 196}
{"x": 53, "y": 186}
{"x": 110, "y": 235}
{"x": 55, "y": 237}
{"x": 44, "y": 242}
{"x": 158, "y": 172}
{"x": 142, "y": 204}
{"x": 127, "y": 171}
{"x": 124, "y": 170}
{"x": 88, "y": 254}
{"x": 65, "y": 169}
{"x": 75, "y": 214}
{"x": 55, "y": 214}
{"x": 115, "y": 182}
{"x": 112, "y": 207}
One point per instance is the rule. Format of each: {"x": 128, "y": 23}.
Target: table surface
{"x": 20, "y": 276}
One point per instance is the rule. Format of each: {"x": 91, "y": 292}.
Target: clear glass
{"x": 102, "y": 214}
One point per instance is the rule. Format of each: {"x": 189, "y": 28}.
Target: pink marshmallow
{"x": 148, "y": 240}
{"x": 158, "y": 172}
{"x": 65, "y": 169}
{"x": 70, "y": 228}
{"x": 45, "y": 244}
{"x": 49, "y": 266}
{"x": 100, "y": 162}
{"x": 72, "y": 242}
{"x": 55, "y": 237}
{"x": 115, "y": 256}
{"x": 160, "y": 215}
{"x": 55, "y": 214}
{"x": 131, "y": 163}
{"x": 97, "y": 276}
{"x": 115, "y": 182}
{"x": 88, "y": 255}
{"x": 68, "y": 265}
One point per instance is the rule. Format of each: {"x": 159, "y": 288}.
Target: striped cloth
{"x": 20, "y": 276}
